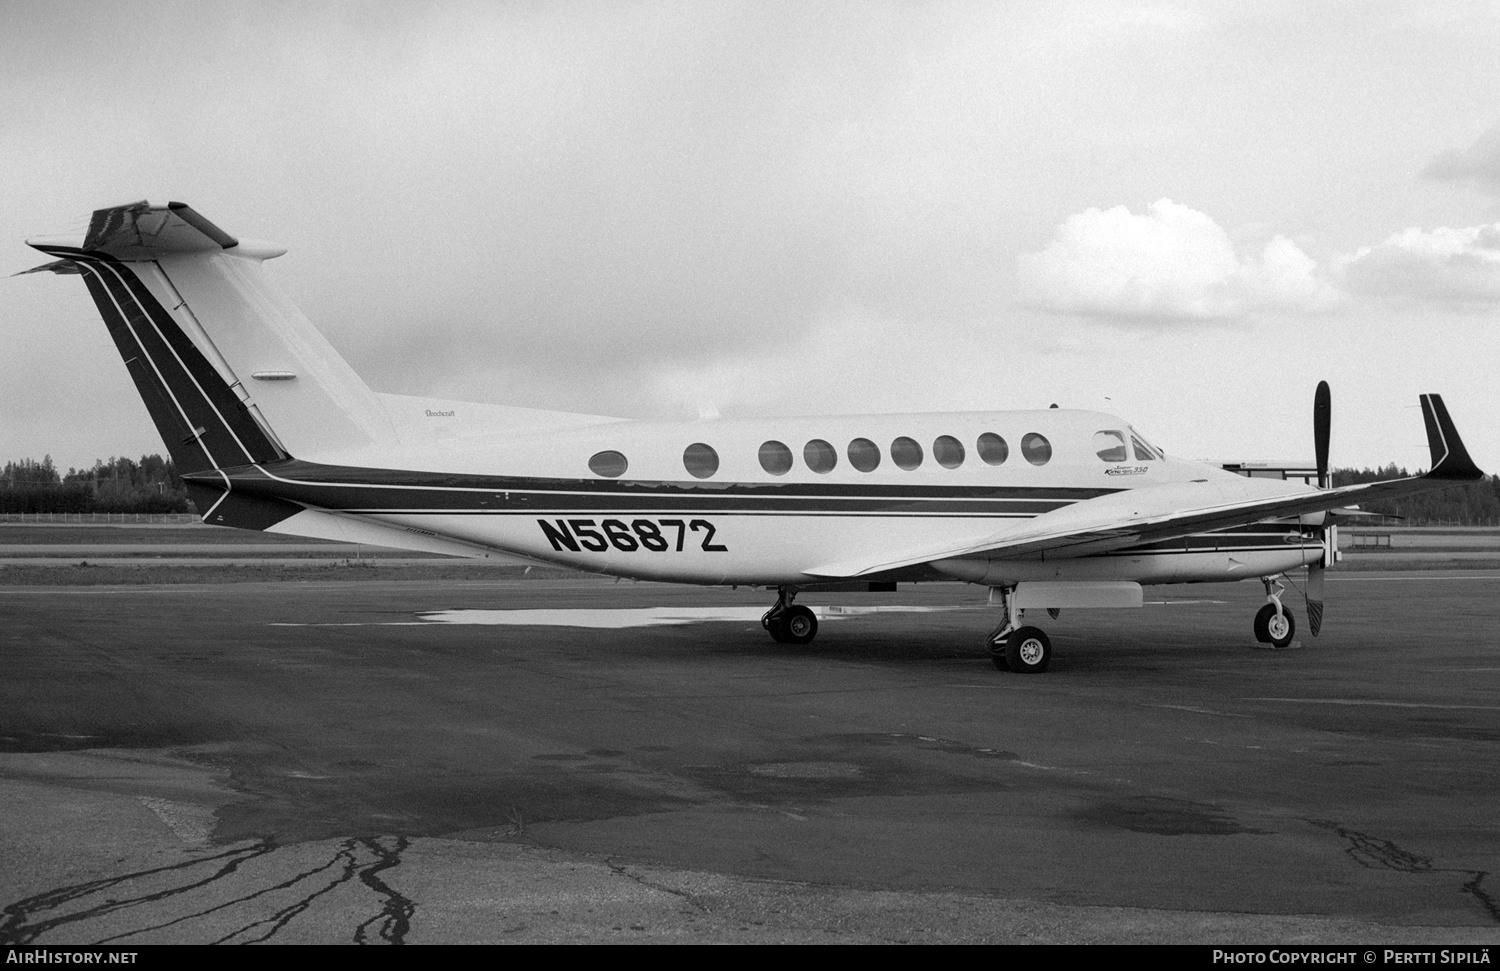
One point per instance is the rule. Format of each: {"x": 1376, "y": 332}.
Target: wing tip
{"x": 1450, "y": 459}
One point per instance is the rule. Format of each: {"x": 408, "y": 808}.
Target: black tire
{"x": 998, "y": 659}
{"x": 774, "y": 628}
{"x": 1029, "y": 651}
{"x": 1271, "y": 630}
{"x": 799, "y": 625}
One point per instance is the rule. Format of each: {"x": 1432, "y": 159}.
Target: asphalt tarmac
{"x": 408, "y": 761}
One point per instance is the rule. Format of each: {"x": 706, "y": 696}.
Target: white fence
{"x": 98, "y": 517}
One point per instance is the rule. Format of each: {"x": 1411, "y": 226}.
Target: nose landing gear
{"x": 1274, "y": 624}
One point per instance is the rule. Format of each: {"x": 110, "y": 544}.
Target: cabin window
{"x": 700, "y": 460}
{"x": 948, "y": 451}
{"x": 992, "y": 449}
{"x": 1036, "y": 448}
{"x": 864, "y": 454}
{"x": 1110, "y": 446}
{"x": 820, "y": 456}
{"x": 906, "y": 453}
{"x": 609, "y": 464}
{"x": 775, "y": 458}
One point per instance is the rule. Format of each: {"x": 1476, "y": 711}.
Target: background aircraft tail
{"x": 231, "y": 372}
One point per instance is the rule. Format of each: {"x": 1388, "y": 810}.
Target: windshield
{"x": 1144, "y": 450}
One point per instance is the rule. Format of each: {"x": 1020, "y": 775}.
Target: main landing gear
{"x": 1274, "y": 624}
{"x": 789, "y": 624}
{"x": 1024, "y": 650}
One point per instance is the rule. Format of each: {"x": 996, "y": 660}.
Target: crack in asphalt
{"x": 397, "y": 911}
{"x": 20, "y": 928}
{"x": 622, "y": 870}
{"x": 27, "y": 920}
{"x": 1372, "y": 853}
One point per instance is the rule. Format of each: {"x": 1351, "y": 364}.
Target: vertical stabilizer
{"x": 231, "y": 372}
{"x": 310, "y": 396}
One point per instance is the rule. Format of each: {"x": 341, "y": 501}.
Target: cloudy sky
{"x": 1184, "y": 213}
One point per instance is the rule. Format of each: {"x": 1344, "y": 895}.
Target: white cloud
{"x": 1453, "y": 266}
{"x": 1170, "y": 263}
{"x": 1479, "y": 163}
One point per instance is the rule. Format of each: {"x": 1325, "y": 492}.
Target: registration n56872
{"x": 649, "y": 535}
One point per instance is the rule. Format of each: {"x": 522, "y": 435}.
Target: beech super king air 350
{"x": 271, "y": 430}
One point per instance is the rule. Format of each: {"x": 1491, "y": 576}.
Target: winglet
{"x": 1450, "y": 460}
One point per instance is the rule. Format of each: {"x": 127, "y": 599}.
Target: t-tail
{"x": 182, "y": 299}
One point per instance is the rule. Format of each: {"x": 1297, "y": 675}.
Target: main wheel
{"x": 798, "y": 625}
{"x": 774, "y": 628}
{"x": 1273, "y": 628}
{"x": 1029, "y": 651}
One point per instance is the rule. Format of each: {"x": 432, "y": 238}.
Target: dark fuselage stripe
{"x": 345, "y": 477}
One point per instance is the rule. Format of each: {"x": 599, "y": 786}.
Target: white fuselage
{"x": 535, "y": 495}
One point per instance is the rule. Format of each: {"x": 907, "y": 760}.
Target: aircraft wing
{"x": 1157, "y": 513}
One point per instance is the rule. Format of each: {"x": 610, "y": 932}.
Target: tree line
{"x": 119, "y": 485}
{"x": 1470, "y": 504}
{"x": 152, "y": 486}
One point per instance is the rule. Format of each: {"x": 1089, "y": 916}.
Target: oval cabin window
{"x": 700, "y": 460}
{"x": 820, "y": 456}
{"x": 906, "y": 453}
{"x": 775, "y": 458}
{"x": 948, "y": 451}
{"x": 992, "y": 449}
{"x": 864, "y": 454}
{"x": 1036, "y": 448}
{"x": 610, "y": 464}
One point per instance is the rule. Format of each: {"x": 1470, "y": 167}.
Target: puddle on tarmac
{"x": 621, "y": 617}
{"x": 617, "y": 618}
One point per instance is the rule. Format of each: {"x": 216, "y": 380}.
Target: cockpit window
{"x": 1110, "y": 446}
{"x": 1144, "y": 451}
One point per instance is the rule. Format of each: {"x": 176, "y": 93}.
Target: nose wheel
{"x": 1274, "y": 624}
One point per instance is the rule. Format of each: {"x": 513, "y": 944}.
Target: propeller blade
{"x": 1322, "y": 429}
{"x": 1315, "y": 597}
{"x": 1322, "y": 425}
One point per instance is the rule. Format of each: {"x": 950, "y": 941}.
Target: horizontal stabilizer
{"x": 60, "y": 267}
{"x": 144, "y": 231}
